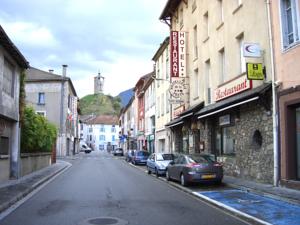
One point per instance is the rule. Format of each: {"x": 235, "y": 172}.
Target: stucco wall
{"x": 34, "y": 162}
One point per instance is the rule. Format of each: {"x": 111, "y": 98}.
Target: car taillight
{"x": 192, "y": 165}
{"x": 217, "y": 164}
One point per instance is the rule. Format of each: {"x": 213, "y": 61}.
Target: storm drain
{"x": 104, "y": 221}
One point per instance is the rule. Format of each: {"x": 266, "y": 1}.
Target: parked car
{"x": 129, "y": 154}
{"x": 194, "y": 168}
{"x": 140, "y": 157}
{"x": 157, "y": 163}
{"x": 118, "y": 151}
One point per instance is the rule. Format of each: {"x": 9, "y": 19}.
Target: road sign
{"x": 252, "y": 50}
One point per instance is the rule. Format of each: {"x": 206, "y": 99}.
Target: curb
{"x": 231, "y": 211}
{"x": 4, "y": 206}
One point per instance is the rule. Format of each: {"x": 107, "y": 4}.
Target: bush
{"x": 37, "y": 133}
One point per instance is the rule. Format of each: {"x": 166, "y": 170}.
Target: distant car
{"x": 140, "y": 157}
{"x": 85, "y": 148}
{"x": 129, "y": 154}
{"x": 157, "y": 163}
{"x": 194, "y": 168}
{"x": 118, "y": 151}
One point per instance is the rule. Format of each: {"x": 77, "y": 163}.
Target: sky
{"x": 116, "y": 38}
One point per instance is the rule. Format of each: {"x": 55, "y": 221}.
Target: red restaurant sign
{"x": 232, "y": 88}
{"x": 178, "y": 54}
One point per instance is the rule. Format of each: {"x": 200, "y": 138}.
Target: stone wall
{"x": 255, "y": 161}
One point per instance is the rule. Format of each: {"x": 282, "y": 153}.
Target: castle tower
{"x": 98, "y": 84}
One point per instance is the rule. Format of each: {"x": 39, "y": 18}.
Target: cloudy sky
{"x": 119, "y": 38}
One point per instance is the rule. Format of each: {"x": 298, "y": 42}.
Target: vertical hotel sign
{"x": 178, "y": 54}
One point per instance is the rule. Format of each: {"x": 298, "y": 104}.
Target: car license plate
{"x": 208, "y": 176}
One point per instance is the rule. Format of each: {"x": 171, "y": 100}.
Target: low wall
{"x": 31, "y": 162}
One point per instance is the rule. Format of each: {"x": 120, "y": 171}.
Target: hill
{"x": 100, "y": 104}
{"x": 126, "y": 96}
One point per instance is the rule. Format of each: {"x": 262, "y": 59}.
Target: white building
{"x": 101, "y": 132}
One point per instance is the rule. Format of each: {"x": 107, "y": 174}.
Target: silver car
{"x": 158, "y": 162}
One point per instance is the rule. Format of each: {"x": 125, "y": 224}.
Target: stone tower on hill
{"x": 98, "y": 84}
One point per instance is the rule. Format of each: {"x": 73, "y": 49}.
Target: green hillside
{"x": 100, "y": 104}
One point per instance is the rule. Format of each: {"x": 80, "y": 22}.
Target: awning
{"x": 192, "y": 110}
{"x": 174, "y": 122}
{"x": 234, "y": 101}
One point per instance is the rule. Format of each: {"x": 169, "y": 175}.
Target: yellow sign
{"x": 255, "y": 71}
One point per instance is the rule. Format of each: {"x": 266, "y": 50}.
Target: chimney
{"x": 51, "y": 71}
{"x": 64, "y": 71}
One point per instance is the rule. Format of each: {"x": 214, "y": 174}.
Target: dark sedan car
{"x": 140, "y": 157}
{"x": 194, "y": 168}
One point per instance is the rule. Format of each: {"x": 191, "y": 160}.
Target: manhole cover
{"x": 104, "y": 221}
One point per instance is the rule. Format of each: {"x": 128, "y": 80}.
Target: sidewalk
{"x": 14, "y": 190}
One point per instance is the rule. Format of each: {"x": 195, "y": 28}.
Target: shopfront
{"x": 238, "y": 130}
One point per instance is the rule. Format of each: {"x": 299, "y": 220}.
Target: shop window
{"x": 8, "y": 78}
{"x": 257, "y": 139}
{"x": 228, "y": 141}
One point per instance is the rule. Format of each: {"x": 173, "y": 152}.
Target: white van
{"x": 84, "y": 147}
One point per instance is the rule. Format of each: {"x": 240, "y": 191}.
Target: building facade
{"x": 150, "y": 113}
{"x": 222, "y": 111}
{"x": 101, "y": 132}
{"x": 54, "y": 97}
{"x": 12, "y": 64}
{"x": 286, "y": 30}
{"x": 163, "y": 106}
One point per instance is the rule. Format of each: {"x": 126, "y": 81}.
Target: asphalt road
{"x": 100, "y": 185}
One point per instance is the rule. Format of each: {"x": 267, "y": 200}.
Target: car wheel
{"x": 167, "y": 175}
{"x": 148, "y": 170}
{"x": 156, "y": 172}
{"x": 182, "y": 180}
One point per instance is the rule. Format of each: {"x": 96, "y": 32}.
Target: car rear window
{"x": 165, "y": 157}
{"x": 199, "y": 159}
{"x": 142, "y": 154}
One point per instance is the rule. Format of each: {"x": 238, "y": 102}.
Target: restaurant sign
{"x": 232, "y": 88}
{"x": 178, "y": 54}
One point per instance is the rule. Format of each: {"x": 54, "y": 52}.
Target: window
{"x": 205, "y": 26}
{"x": 158, "y": 106}
{"x": 41, "y": 98}
{"x": 102, "y": 137}
{"x": 221, "y": 12}
{"x": 181, "y": 17}
{"x": 158, "y": 73}
{"x": 113, "y": 138}
{"x": 208, "y": 81}
{"x": 101, "y": 147}
{"x": 8, "y": 78}
{"x": 222, "y": 65}
{"x": 167, "y": 102}
{"x": 240, "y": 40}
{"x": 195, "y": 42}
{"x": 162, "y": 104}
{"x": 102, "y": 128}
{"x": 113, "y": 129}
{"x": 194, "y": 6}
{"x": 90, "y": 130}
{"x": 4, "y": 146}
{"x": 41, "y": 113}
{"x": 167, "y": 64}
{"x": 196, "y": 82}
{"x": 290, "y": 22}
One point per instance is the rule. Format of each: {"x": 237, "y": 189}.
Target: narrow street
{"x": 98, "y": 185}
